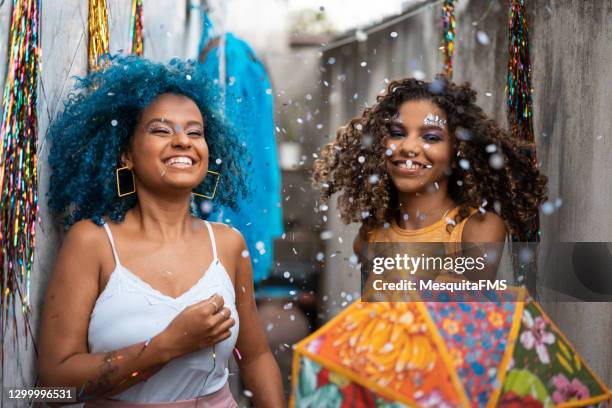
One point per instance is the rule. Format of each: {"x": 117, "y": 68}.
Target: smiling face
{"x": 421, "y": 147}
{"x": 169, "y": 151}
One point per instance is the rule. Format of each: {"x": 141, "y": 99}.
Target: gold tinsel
{"x": 98, "y": 33}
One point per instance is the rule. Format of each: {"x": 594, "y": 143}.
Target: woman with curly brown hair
{"x": 425, "y": 164}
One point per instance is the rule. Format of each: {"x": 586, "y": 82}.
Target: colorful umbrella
{"x": 500, "y": 353}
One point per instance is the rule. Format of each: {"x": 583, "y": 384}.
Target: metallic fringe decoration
{"x": 137, "y": 28}
{"x": 520, "y": 122}
{"x": 98, "y": 33}
{"x": 520, "y": 108}
{"x": 448, "y": 35}
{"x": 518, "y": 87}
{"x": 18, "y": 159}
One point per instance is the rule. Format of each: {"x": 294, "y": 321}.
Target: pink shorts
{"x": 218, "y": 399}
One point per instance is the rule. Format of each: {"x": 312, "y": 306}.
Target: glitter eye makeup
{"x": 159, "y": 129}
{"x": 396, "y": 130}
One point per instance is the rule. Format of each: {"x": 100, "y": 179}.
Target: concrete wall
{"x": 571, "y": 48}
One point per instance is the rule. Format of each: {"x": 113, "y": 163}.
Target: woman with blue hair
{"x": 148, "y": 300}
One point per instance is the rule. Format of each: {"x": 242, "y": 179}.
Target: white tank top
{"x": 129, "y": 311}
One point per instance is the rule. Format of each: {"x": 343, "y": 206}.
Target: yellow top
{"x": 436, "y": 232}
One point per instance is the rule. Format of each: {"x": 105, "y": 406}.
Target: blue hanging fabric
{"x": 248, "y": 105}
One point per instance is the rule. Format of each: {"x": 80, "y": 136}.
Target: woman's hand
{"x": 198, "y": 326}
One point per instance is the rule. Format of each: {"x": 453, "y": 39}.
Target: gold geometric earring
{"x": 118, "y": 184}
{"x": 217, "y": 176}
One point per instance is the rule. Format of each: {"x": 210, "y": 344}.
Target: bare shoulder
{"x": 80, "y": 251}
{"x": 227, "y": 237}
{"x": 85, "y": 235}
{"x": 487, "y": 227}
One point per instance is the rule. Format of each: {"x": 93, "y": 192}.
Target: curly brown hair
{"x": 502, "y": 169}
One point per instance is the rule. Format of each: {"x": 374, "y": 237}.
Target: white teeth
{"x": 179, "y": 160}
{"x": 409, "y": 164}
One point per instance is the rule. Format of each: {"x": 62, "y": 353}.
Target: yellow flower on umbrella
{"x": 386, "y": 340}
{"x": 450, "y": 326}
{"x": 496, "y": 319}
{"x": 456, "y": 357}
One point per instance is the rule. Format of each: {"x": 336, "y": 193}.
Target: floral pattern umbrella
{"x": 500, "y": 353}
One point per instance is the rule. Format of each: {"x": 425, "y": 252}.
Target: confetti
{"x": 325, "y": 235}
{"x": 361, "y": 36}
{"x": 496, "y": 161}
{"x": 463, "y": 134}
{"x": 418, "y": 74}
{"x": 206, "y": 206}
{"x": 482, "y": 38}
{"x": 548, "y": 208}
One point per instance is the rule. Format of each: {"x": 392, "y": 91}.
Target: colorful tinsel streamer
{"x": 518, "y": 87}
{"x": 136, "y": 28}
{"x": 448, "y": 35}
{"x": 520, "y": 109}
{"x": 520, "y": 119}
{"x": 98, "y": 33}
{"x": 18, "y": 159}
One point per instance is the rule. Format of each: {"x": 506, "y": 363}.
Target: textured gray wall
{"x": 571, "y": 48}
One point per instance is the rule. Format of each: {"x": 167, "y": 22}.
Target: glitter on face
{"x": 434, "y": 120}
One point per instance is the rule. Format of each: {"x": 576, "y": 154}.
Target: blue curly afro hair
{"x": 97, "y": 125}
